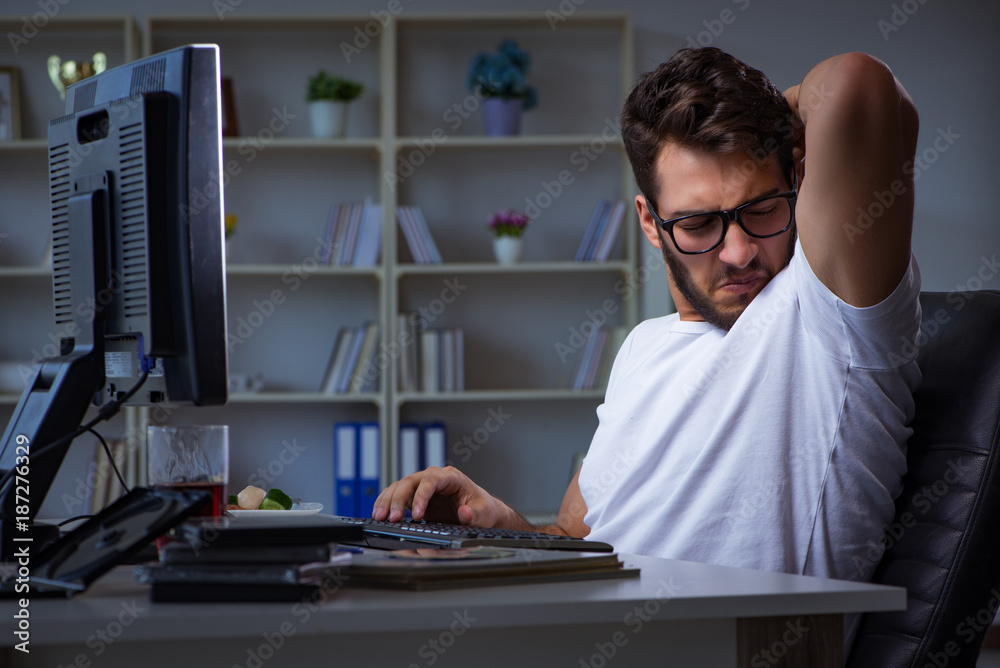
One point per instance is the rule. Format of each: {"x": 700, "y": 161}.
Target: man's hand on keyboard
{"x": 445, "y": 495}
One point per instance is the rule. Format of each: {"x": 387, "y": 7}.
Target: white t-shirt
{"x": 777, "y": 446}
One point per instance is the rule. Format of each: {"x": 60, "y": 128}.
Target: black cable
{"x": 105, "y": 412}
{"x": 111, "y": 460}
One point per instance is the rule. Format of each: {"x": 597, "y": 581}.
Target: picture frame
{"x": 10, "y": 103}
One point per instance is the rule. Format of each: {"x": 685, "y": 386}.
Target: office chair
{"x": 945, "y": 544}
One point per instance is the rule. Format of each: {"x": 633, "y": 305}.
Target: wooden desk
{"x": 677, "y": 613}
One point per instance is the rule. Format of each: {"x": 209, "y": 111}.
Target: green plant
{"x": 323, "y": 86}
{"x": 501, "y": 74}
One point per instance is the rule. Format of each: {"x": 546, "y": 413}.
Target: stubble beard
{"x": 699, "y": 300}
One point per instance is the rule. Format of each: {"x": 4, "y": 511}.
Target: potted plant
{"x": 508, "y": 229}
{"x": 328, "y": 97}
{"x": 499, "y": 78}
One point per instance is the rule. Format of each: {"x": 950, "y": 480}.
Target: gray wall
{"x": 943, "y": 52}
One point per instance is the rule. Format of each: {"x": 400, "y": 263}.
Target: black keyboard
{"x": 409, "y": 534}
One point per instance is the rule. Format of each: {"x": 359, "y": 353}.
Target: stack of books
{"x": 433, "y": 359}
{"x": 418, "y": 235}
{"x": 353, "y": 235}
{"x": 352, "y": 368}
{"x": 593, "y": 366}
{"x": 602, "y": 231}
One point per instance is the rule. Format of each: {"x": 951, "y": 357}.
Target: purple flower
{"x": 508, "y": 223}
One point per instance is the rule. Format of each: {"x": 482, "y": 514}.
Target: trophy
{"x": 64, "y": 73}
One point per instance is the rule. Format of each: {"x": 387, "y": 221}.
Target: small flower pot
{"x": 508, "y": 250}
{"x": 328, "y": 119}
{"x": 502, "y": 118}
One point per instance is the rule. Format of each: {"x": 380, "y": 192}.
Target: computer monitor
{"x": 139, "y": 287}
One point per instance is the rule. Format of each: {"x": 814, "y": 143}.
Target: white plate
{"x": 297, "y": 510}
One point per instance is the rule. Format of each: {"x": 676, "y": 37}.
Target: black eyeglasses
{"x": 701, "y": 232}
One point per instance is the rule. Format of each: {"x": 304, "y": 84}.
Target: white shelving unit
{"x": 281, "y": 183}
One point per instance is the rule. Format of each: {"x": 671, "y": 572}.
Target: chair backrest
{"x": 944, "y": 545}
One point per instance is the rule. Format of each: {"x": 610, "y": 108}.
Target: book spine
{"x": 368, "y": 467}
{"x": 345, "y": 469}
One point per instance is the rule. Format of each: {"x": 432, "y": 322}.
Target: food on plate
{"x": 254, "y": 498}
{"x": 275, "y": 499}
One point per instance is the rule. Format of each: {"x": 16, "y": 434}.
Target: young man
{"x": 762, "y": 425}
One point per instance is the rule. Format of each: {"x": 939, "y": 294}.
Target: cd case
{"x": 79, "y": 557}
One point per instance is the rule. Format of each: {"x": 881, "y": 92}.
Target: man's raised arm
{"x": 855, "y": 207}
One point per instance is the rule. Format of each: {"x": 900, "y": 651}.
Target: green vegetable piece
{"x": 275, "y": 499}
{"x": 233, "y": 500}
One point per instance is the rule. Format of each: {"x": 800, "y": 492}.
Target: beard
{"x": 699, "y": 300}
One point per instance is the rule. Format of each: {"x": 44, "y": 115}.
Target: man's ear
{"x": 646, "y": 221}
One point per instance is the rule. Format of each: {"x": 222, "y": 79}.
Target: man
{"x": 762, "y": 425}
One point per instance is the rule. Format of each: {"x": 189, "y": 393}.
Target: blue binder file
{"x": 409, "y": 448}
{"x": 368, "y": 467}
{"x": 435, "y": 450}
{"x": 345, "y": 469}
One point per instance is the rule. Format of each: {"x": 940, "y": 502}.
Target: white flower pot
{"x": 508, "y": 250}
{"x": 328, "y": 118}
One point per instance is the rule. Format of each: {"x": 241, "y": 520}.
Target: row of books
{"x": 602, "y": 231}
{"x": 351, "y": 368}
{"x": 421, "y": 445}
{"x": 435, "y": 359}
{"x": 593, "y": 366}
{"x": 418, "y": 235}
{"x": 353, "y": 235}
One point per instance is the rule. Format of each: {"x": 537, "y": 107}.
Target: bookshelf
{"x": 282, "y": 182}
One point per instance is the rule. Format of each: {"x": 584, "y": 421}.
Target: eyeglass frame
{"x": 735, "y": 214}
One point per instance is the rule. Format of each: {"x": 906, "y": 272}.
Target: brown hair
{"x": 708, "y": 100}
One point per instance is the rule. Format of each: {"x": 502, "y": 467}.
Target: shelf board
{"x": 8, "y": 399}
{"x": 300, "y": 270}
{"x": 500, "y": 395}
{"x": 302, "y": 398}
{"x": 521, "y": 141}
{"x": 25, "y": 272}
{"x": 297, "y": 144}
{"x": 24, "y": 145}
{"x": 519, "y": 268}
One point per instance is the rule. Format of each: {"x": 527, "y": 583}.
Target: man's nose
{"x": 738, "y": 248}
